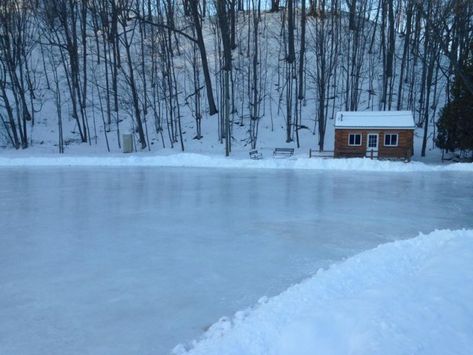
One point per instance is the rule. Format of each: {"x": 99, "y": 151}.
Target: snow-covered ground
{"x": 134, "y": 260}
{"x": 301, "y": 162}
{"x": 406, "y": 297}
{"x": 44, "y": 134}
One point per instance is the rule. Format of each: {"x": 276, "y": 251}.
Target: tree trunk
{"x": 203, "y": 55}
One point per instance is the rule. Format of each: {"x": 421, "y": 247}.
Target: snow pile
{"x": 406, "y": 297}
{"x": 213, "y": 161}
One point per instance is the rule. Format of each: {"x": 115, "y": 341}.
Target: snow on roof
{"x": 375, "y": 119}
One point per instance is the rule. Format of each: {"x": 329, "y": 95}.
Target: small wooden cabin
{"x": 374, "y": 134}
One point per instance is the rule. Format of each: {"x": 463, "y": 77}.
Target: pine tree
{"x": 455, "y": 125}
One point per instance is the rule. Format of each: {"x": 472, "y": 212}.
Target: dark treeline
{"x": 100, "y": 63}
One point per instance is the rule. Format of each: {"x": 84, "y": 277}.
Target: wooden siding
{"x": 403, "y": 150}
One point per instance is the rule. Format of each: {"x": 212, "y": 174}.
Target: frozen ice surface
{"x": 136, "y": 260}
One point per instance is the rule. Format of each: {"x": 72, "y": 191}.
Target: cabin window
{"x": 354, "y": 139}
{"x": 390, "y": 140}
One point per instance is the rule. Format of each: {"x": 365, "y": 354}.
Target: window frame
{"x": 354, "y": 140}
{"x": 390, "y": 140}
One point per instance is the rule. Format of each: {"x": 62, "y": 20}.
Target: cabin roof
{"x": 375, "y": 119}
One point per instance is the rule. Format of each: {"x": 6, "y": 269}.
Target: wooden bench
{"x": 315, "y": 153}
{"x": 255, "y": 155}
{"x": 283, "y": 152}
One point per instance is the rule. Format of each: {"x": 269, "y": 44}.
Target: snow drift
{"x": 405, "y": 297}
{"x": 213, "y": 161}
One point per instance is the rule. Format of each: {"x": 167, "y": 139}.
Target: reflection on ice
{"x": 136, "y": 260}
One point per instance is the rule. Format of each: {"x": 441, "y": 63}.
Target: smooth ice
{"x": 136, "y": 260}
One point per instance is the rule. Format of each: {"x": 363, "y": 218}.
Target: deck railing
{"x": 370, "y": 153}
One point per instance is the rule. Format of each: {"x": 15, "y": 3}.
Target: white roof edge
{"x": 374, "y": 120}
{"x": 376, "y": 127}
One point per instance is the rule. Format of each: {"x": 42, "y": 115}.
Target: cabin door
{"x": 372, "y": 144}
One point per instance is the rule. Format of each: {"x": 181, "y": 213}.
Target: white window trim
{"x": 355, "y": 145}
{"x": 391, "y": 145}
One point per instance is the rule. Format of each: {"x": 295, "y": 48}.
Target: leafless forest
{"x": 94, "y": 64}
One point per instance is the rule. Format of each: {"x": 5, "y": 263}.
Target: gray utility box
{"x": 127, "y": 143}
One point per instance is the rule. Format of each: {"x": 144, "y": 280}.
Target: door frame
{"x": 368, "y": 148}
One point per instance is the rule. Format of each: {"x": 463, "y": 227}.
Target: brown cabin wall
{"x": 405, "y": 147}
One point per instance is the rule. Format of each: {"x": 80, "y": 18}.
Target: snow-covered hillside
{"x": 348, "y": 87}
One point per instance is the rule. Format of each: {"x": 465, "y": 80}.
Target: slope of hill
{"x": 343, "y": 67}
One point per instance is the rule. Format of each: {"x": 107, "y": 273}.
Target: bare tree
{"x": 126, "y": 41}
{"x": 223, "y": 14}
{"x": 16, "y": 33}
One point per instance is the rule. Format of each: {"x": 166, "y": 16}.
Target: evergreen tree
{"x": 455, "y": 125}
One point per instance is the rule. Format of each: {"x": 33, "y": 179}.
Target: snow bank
{"x": 406, "y": 297}
{"x": 209, "y": 161}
